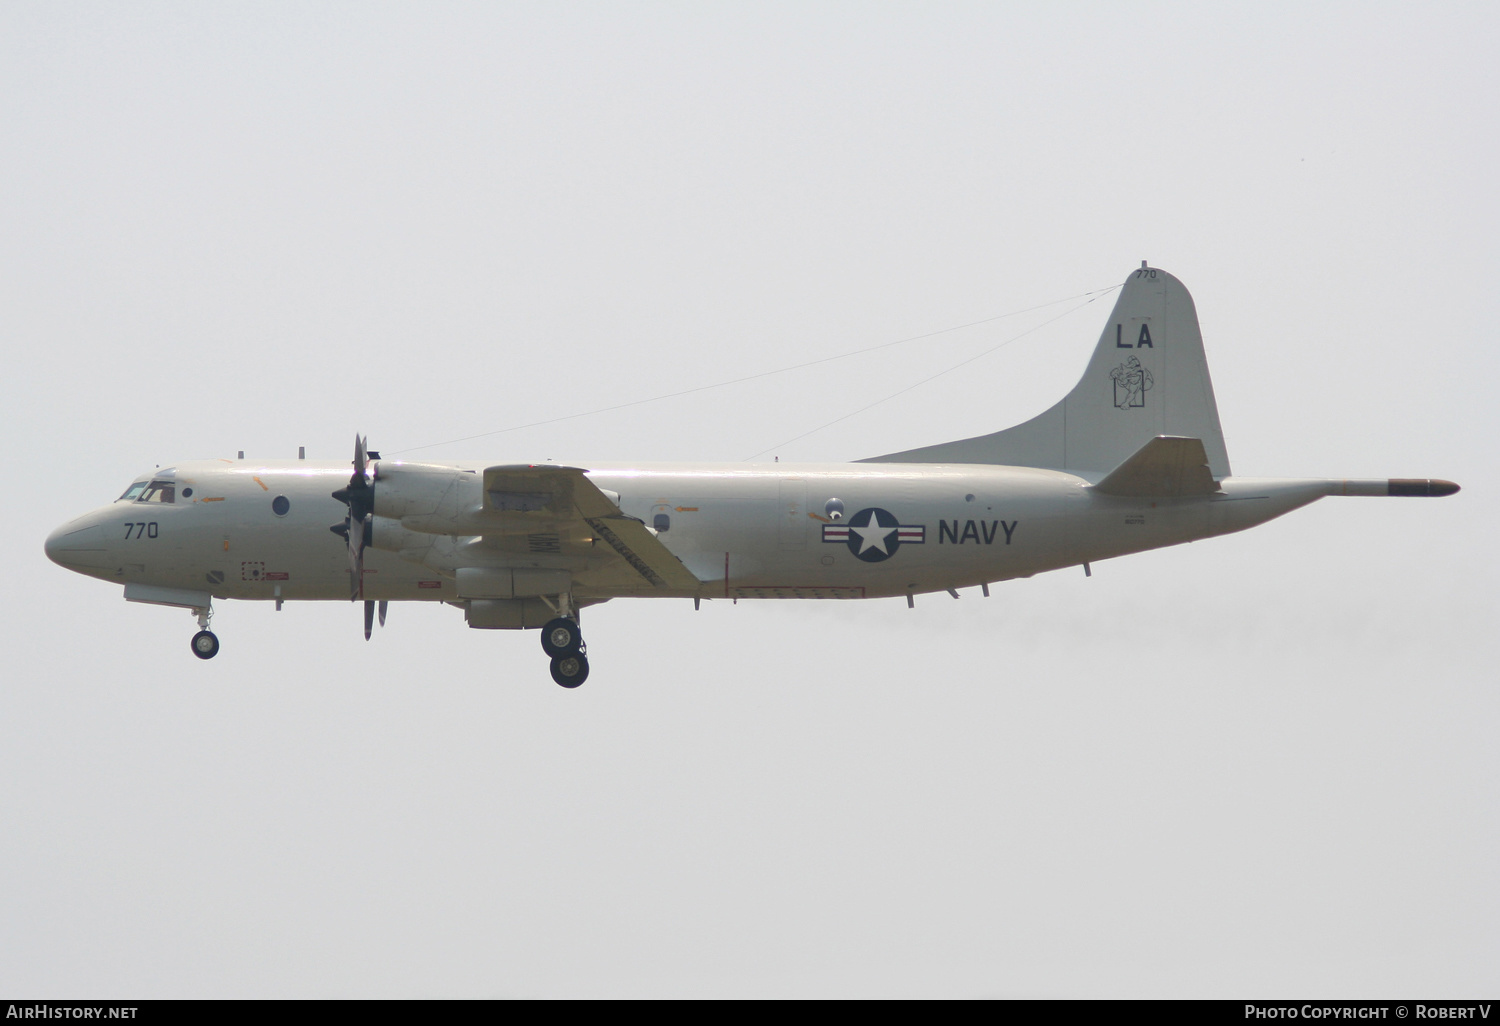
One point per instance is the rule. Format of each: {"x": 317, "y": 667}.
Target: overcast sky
{"x": 1260, "y": 765}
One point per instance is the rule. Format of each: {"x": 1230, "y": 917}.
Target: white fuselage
{"x": 744, "y": 530}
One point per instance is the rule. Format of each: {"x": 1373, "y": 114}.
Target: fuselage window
{"x": 159, "y": 491}
{"x": 661, "y": 522}
{"x": 133, "y": 492}
{"x": 280, "y": 505}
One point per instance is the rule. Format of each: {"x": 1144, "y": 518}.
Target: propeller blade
{"x": 359, "y": 496}
{"x": 356, "y": 562}
{"x": 383, "y": 605}
{"x": 369, "y": 618}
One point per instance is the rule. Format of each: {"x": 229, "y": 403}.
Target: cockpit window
{"x": 159, "y": 491}
{"x": 133, "y": 492}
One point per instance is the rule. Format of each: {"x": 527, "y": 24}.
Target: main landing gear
{"x": 562, "y": 641}
{"x": 205, "y": 643}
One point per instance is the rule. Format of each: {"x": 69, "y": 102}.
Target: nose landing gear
{"x": 205, "y": 643}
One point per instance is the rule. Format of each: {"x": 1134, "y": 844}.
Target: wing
{"x": 557, "y": 517}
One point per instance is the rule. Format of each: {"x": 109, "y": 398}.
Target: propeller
{"x": 359, "y": 496}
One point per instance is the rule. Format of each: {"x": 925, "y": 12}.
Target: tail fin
{"x": 1148, "y": 377}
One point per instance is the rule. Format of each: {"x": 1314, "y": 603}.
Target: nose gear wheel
{"x": 205, "y": 645}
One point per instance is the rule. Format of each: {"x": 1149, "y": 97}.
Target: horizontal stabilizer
{"x": 1165, "y": 467}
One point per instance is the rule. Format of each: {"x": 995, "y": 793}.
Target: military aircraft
{"x": 1131, "y": 459}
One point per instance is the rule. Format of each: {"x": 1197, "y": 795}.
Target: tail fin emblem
{"x": 1131, "y": 383}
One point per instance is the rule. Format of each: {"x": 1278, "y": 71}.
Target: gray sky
{"x": 1263, "y": 764}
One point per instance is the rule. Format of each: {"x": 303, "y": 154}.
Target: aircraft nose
{"x": 75, "y": 545}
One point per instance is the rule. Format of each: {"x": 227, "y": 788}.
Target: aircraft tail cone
{"x": 1433, "y": 488}
{"x": 1419, "y": 487}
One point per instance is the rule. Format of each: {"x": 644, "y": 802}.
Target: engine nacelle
{"x": 454, "y": 512}
{"x": 413, "y": 489}
{"x": 388, "y": 535}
